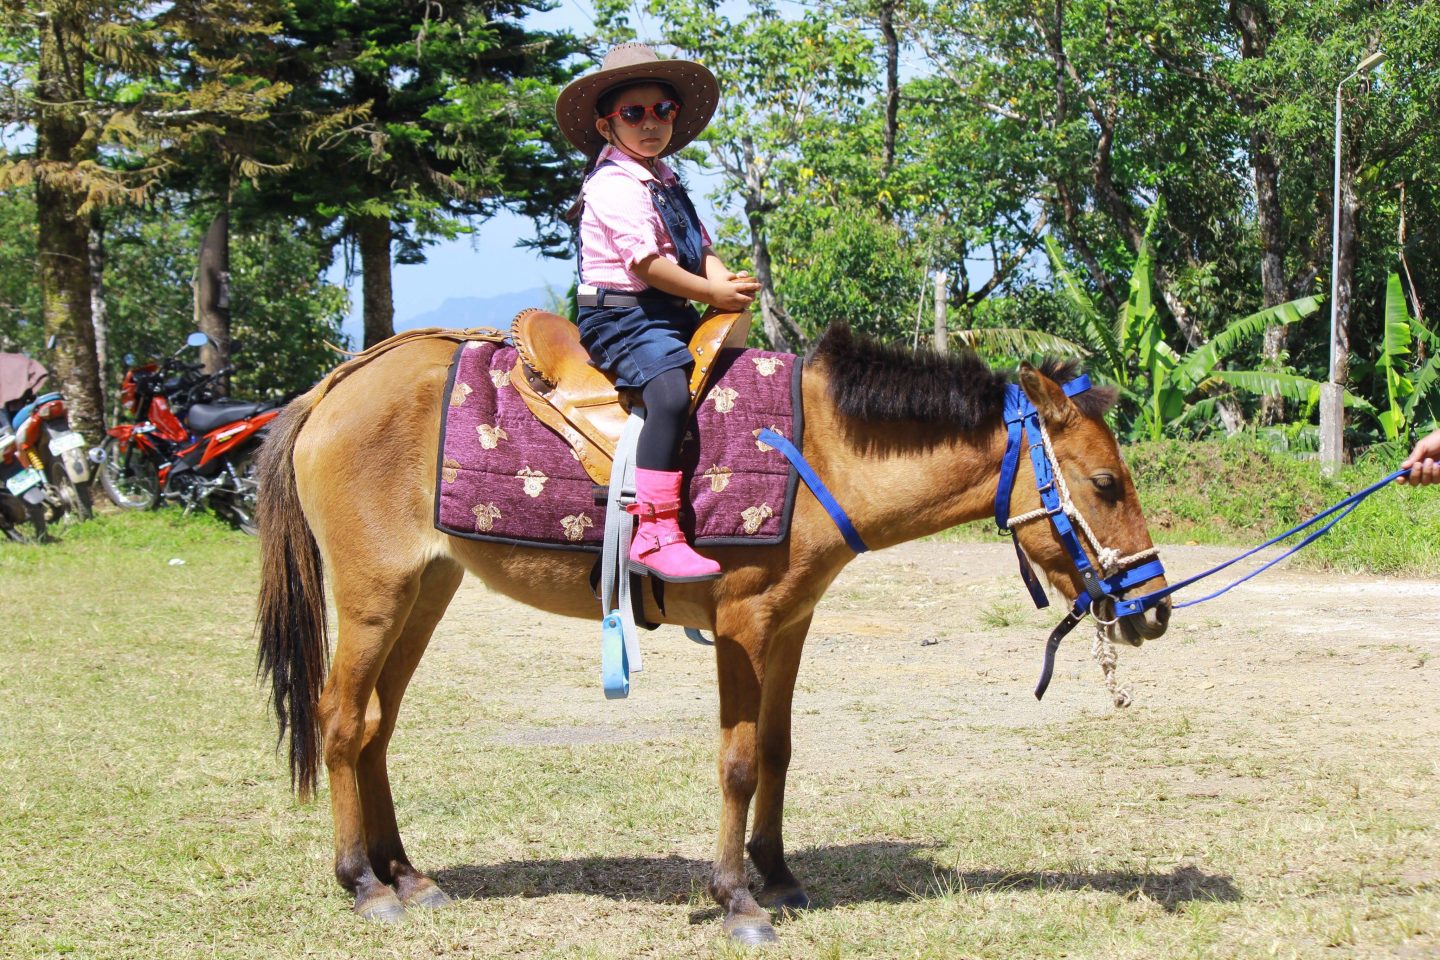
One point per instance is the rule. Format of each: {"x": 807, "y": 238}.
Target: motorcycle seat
{"x": 204, "y": 417}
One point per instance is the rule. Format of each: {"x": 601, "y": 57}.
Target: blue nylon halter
{"x": 1021, "y": 417}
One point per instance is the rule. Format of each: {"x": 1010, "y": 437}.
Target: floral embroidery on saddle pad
{"x": 505, "y": 476}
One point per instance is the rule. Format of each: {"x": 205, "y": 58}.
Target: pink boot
{"x": 659, "y": 547}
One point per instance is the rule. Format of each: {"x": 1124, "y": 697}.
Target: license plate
{"x": 66, "y": 442}
{"x": 23, "y": 481}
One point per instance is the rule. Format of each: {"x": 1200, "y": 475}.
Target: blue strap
{"x": 1339, "y": 511}
{"x": 1027, "y": 575}
{"x": 1019, "y": 411}
{"x": 1021, "y": 417}
{"x": 817, "y": 487}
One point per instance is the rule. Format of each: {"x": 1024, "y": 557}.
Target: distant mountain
{"x": 496, "y": 311}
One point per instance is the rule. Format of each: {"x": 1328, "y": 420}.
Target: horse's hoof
{"x": 428, "y": 897}
{"x": 382, "y": 907}
{"x": 753, "y": 934}
{"x": 792, "y": 899}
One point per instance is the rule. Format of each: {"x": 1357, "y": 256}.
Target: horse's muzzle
{"x": 1139, "y": 627}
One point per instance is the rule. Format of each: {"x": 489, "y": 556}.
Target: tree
{"x": 426, "y": 115}
{"x": 1165, "y": 388}
{"x": 95, "y": 64}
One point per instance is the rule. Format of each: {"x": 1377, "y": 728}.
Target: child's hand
{"x": 1422, "y": 459}
{"x": 733, "y": 292}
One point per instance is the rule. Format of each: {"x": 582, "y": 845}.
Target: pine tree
{"x": 424, "y": 115}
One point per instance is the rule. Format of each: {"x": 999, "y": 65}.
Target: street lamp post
{"x": 1332, "y": 394}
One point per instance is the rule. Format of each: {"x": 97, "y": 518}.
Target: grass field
{"x": 1273, "y": 793}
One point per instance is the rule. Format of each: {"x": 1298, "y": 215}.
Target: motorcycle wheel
{"x": 12, "y": 529}
{"x": 35, "y": 513}
{"x": 74, "y": 497}
{"x": 129, "y": 480}
{"x": 242, "y": 502}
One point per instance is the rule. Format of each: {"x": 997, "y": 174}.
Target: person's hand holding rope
{"x": 1421, "y": 462}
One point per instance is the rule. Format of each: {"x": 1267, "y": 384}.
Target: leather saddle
{"x": 569, "y": 394}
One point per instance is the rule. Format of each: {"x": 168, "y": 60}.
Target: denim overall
{"x": 637, "y": 344}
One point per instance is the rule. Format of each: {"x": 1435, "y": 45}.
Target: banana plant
{"x": 1394, "y": 348}
{"x": 1405, "y": 390}
{"x": 1166, "y": 387}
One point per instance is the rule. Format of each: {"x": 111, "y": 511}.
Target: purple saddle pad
{"x": 507, "y": 477}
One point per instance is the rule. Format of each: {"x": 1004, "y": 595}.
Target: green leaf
{"x": 1423, "y": 383}
{"x": 1019, "y": 342}
{"x": 1200, "y": 361}
{"x": 1397, "y": 323}
{"x": 1394, "y": 347}
{"x": 1089, "y": 316}
{"x": 1288, "y": 385}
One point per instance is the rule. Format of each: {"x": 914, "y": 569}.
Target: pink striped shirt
{"x": 620, "y": 227}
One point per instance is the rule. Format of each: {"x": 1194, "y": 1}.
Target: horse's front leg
{"x": 767, "y": 849}
{"x": 739, "y": 653}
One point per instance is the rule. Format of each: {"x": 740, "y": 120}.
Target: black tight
{"x": 667, "y": 405}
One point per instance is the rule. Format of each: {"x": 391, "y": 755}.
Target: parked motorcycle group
{"x": 178, "y": 443}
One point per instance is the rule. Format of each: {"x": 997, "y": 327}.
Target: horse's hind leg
{"x": 767, "y": 850}
{"x": 373, "y": 604}
{"x": 387, "y": 853}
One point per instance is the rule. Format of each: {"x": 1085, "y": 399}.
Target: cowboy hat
{"x": 575, "y": 110}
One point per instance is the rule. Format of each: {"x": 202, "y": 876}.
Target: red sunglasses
{"x": 665, "y": 111}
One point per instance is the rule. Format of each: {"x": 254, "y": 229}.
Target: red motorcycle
{"x": 184, "y": 445}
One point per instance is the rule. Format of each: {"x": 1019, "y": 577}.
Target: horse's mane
{"x": 875, "y": 381}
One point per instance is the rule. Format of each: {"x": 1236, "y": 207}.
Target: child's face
{"x": 650, "y": 137}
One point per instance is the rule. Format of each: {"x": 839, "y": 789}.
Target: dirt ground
{"x": 1271, "y": 792}
{"x": 944, "y": 633}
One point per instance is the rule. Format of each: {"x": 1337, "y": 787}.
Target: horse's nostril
{"x": 1155, "y": 621}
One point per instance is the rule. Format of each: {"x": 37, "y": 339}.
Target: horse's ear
{"x": 1047, "y": 395}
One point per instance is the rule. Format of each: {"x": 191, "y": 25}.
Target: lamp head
{"x": 1371, "y": 61}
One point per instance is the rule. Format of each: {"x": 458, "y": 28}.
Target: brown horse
{"x": 909, "y": 444}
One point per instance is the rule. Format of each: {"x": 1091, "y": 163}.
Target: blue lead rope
{"x": 1337, "y": 513}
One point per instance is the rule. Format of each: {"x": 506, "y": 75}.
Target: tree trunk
{"x": 942, "y": 328}
{"x": 892, "y": 79}
{"x": 1255, "y": 35}
{"x": 374, "y": 237}
{"x": 212, "y": 294}
{"x": 1272, "y": 264}
{"x": 99, "y": 318}
{"x": 63, "y": 240}
{"x": 779, "y": 329}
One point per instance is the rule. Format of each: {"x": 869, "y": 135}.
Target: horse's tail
{"x": 294, "y": 649}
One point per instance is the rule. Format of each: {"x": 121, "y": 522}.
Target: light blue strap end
{"x": 698, "y": 637}
{"x": 614, "y": 664}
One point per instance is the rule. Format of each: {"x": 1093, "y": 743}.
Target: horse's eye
{"x": 1105, "y": 483}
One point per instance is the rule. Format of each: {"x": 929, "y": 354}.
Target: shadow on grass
{"x": 835, "y": 876}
